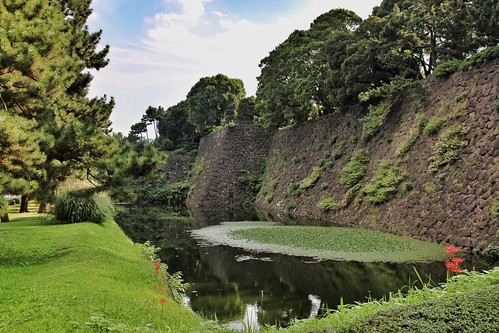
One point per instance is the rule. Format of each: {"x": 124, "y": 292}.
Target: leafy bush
{"x": 409, "y": 142}
{"x": 294, "y": 189}
{"x": 434, "y": 125}
{"x": 374, "y": 119}
{"x": 329, "y": 204}
{"x": 355, "y": 170}
{"x": 171, "y": 194}
{"x": 312, "y": 179}
{"x": 446, "y": 68}
{"x": 447, "y": 149}
{"x": 332, "y": 140}
{"x": 82, "y": 206}
{"x": 339, "y": 150}
{"x": 385, "y": 183}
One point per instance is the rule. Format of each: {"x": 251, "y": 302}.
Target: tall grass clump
{"x": 82, "y": 206}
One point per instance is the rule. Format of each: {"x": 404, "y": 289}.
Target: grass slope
{"x": 80, "y": 278}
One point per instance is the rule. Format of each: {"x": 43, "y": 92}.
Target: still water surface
{"x": 248, "y": 289}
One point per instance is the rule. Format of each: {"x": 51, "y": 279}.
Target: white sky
{"x": 161, "y": 48}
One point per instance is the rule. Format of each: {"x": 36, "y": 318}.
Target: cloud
{"x": 186, "y": 42}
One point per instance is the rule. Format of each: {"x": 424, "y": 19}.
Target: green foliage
{"x": 82, "y": 206}
{"x": 354, "y": 170}
{"x": 374, "y": 119}
{"x": 312, "y": 179}
{"x": 290, "y": 205}
{"x": 294, "y": 189}
{"x": 325, "y": 185}
{"x": 267, "y": 190}
{"x": 434, "y": 125}
{"x": 327, "y": 204}
{"x": 171, "y": 194}
{"x": 494, "y": 208}
{"x": 448, "y": 147}
{"x": 492, "y": 252}
{"x": 297, "y": 159}
{"x": 446, "y": 68}
{"x": 332, "y": 140}
{"x": 176, "y": 287}
{"x": 3, "y": 206}
{"x": 331, "y": 204}
{"x": 339, "y": 150}
{"x": 385, "y": 183}
{"x": 251, "y": 183}
{"x": 213, "y": 101}
{"x": 409, "y": 142}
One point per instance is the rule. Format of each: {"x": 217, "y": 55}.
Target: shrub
{"x": 374, "y": 119}
{"x": 332, "y": 140}
{"x": 329, "y": 204}
{"x": 434, "y": 125}
{"x": 290, "y": 205}
{"x": 385, "y": 183}
{"x": 324, "y": 185}
{"x": 355, "y": 170}
{"x": 339, "y": 150}
{"x": 294, "y": 189}
{"x": 171, "y": 194}
{"x": 409, "y": 142}
{"x": 312, "y": 179}
{"x": 447, "y": 149}
{"x": 297, "y": 159}
{"x": 82, "y": 206}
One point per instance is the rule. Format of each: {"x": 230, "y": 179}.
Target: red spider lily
{"x": 157, "y": 267}
{"x": 457, "y": 261}
{"x": 451, "y": 266}
{"x": 452, "y": 249}
{"x": 159, "y": 289}
{"x": 162, "y": 300}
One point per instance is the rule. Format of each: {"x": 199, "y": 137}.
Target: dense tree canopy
{"x": 49, "y": 128}
{"x": 325, "y": 68}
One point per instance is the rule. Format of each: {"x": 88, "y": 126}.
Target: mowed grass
{"x": 346, "y": 243}
{"x": 80, "y": 278}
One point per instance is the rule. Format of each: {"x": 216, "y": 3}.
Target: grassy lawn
{"x": 80, "y": 278}
{"x": 346, "y": 243}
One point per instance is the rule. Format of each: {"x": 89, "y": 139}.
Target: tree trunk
{"x": 4, "y": 218}
{"x": 24, "y": 204}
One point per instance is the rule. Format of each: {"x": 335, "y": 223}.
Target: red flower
{"x": 157, "y": 267}
{"x": 162, "y": 300}
{"x": 451, "y": 266}
{"x": 457, "y": 261}
{"x": 452, "y": 249}
{"x": 159, "y": 288}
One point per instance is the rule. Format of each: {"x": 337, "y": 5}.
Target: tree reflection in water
{"x": 247, "y": 290}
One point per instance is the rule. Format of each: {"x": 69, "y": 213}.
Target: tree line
{"x": 334, "y": 65}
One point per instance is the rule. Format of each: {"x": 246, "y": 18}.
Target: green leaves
{"x": 213, "y": 101}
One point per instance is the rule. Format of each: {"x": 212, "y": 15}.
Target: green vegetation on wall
{"x": 385, "y": 183}
{"x": 355, "y": 170}
{"x": 448, "y": 147}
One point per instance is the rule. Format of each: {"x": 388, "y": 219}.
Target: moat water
{"x": 244, "y": 288}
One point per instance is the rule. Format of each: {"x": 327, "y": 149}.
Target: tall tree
{"x": 213, "y": 101}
